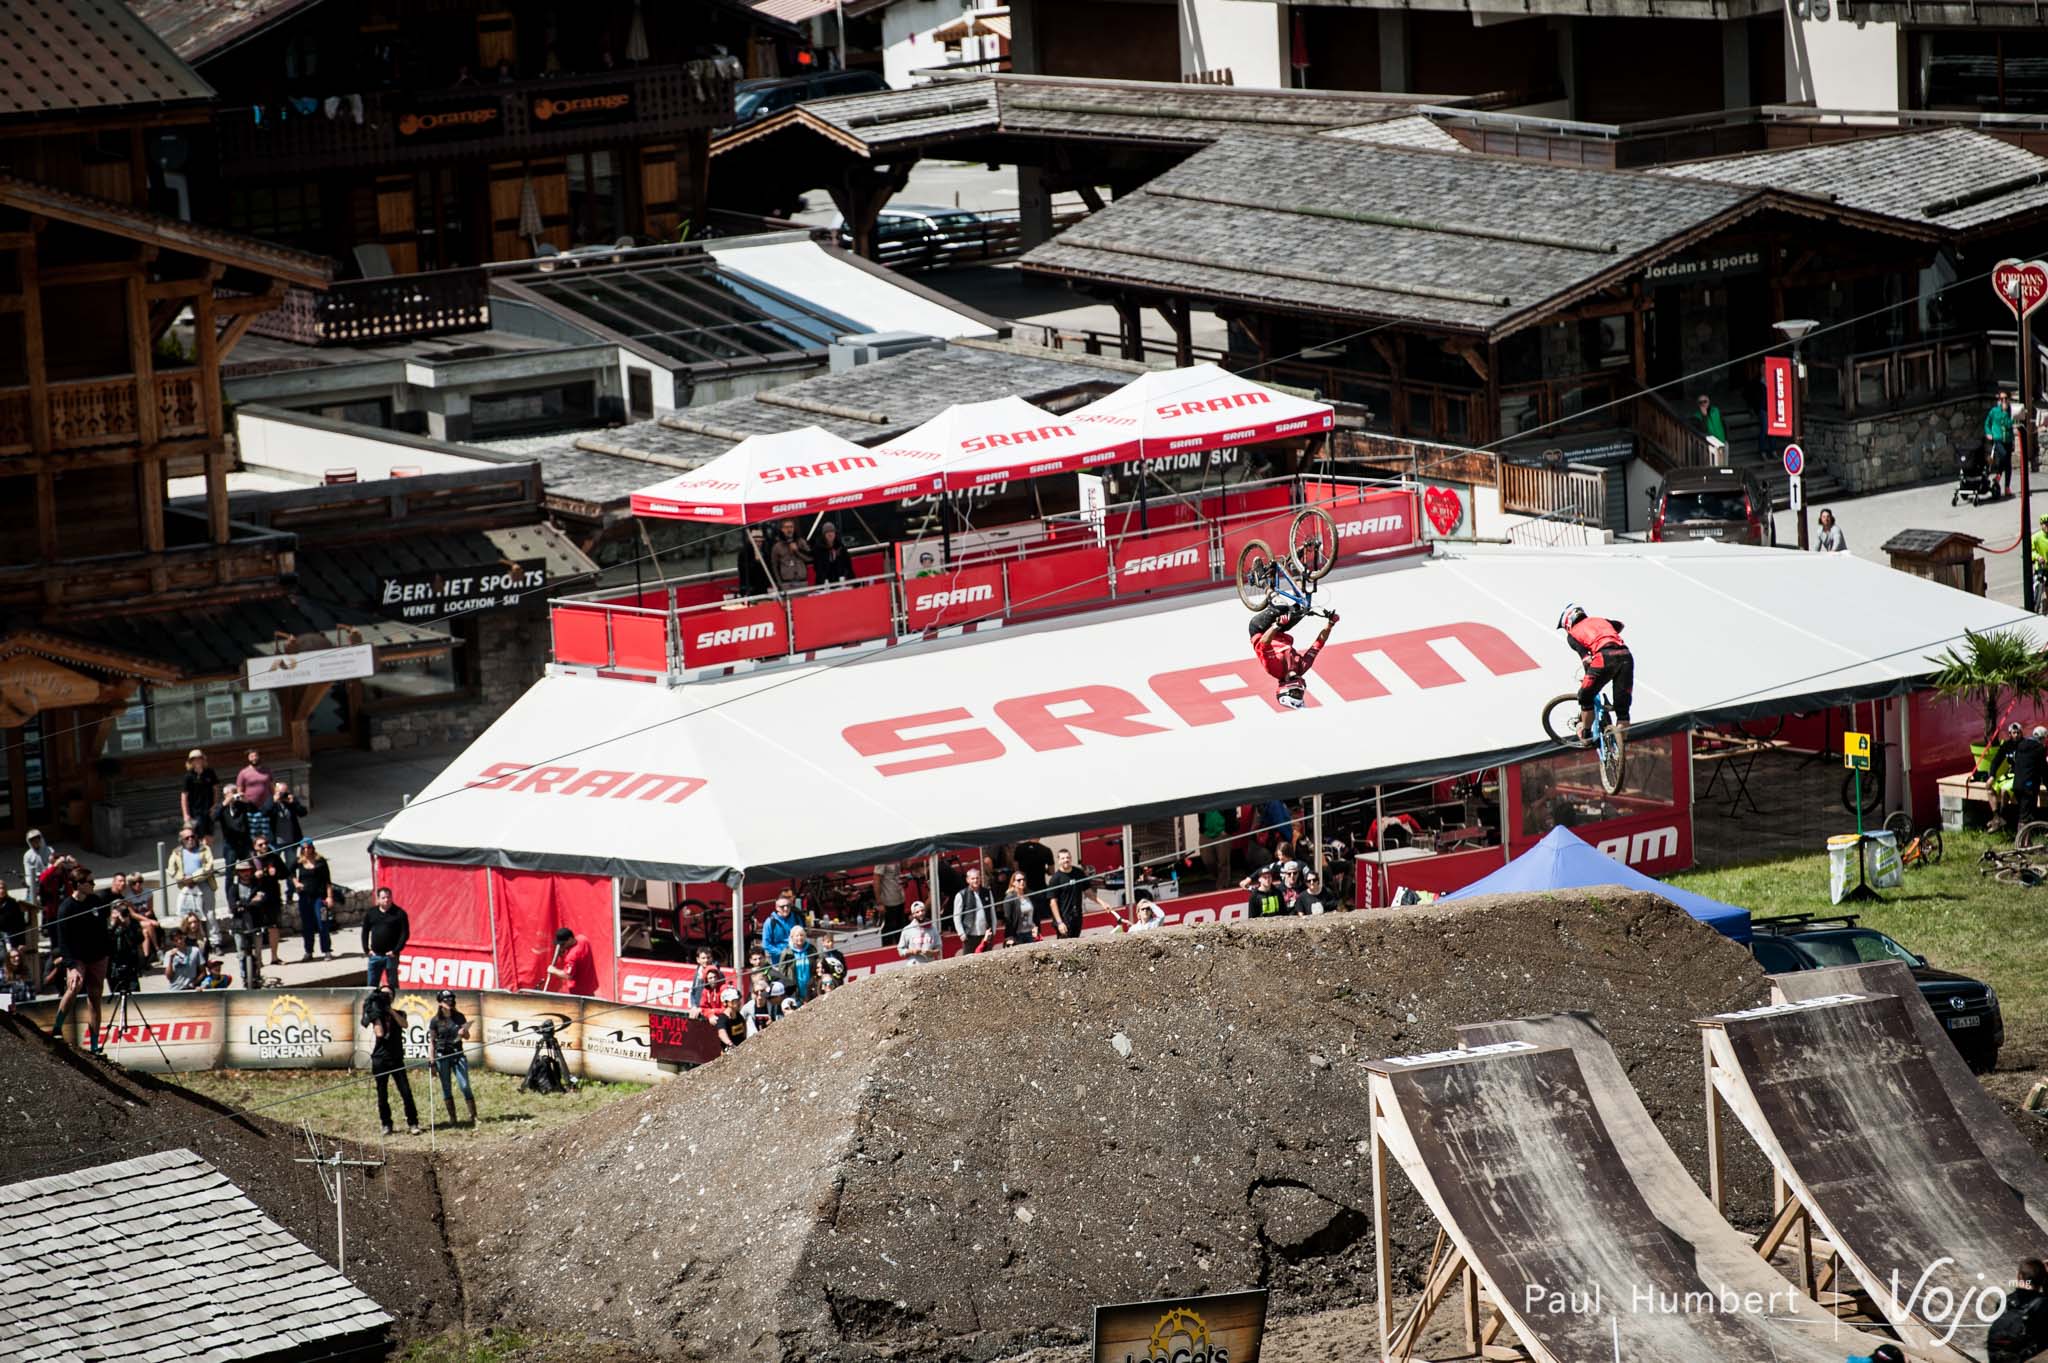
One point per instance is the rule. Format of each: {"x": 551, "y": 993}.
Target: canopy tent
{"x": 785, "y": 474}
{"x": 1157, "y": 709}
{"x": 1565, "y": 861}
{"x": 976, "y": 443}
{"x": 1202, "y": 407}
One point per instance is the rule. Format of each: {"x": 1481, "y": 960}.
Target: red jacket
{"x": 1593, "y": 634}
{"x": 1282, "y": 660}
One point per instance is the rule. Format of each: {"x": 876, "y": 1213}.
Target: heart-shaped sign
{"x": 2020, "y": 284}
{"x": 1445, "y": 509}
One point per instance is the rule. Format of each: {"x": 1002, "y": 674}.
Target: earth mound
{"x": 958, "y": 1161}
{"x": 61, "y": 1112}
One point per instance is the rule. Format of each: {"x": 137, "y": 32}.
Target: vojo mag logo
{"x": 288, "y": 1031}
{"x": 1181, "y": 1336}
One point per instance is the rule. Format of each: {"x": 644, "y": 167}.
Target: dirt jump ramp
{"x": 958, "y": 1161}
{"x": 1722, "y": 1255}
{"x": 1842, "y": 1097}
{"x": 1996, "y": 1136}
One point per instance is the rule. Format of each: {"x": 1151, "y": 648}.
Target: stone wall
{"x": 1899, "y": 449}
{"x": 511, "y": 652}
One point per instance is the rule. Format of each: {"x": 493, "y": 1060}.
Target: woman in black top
{"x": 312, "y": 881}
{"x": 450, "y": 1033}
{"x": 829, "y": 557}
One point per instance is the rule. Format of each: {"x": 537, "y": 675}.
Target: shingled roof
{"x": 197, "y": 29}
{"x": 162, "y": 1259}
{"x": 1958, "y": 179}
{"x": 885, "y": 122}
{"x": 899, "y": 393}
{"x": 172, "y": 234}
{"x": 73, "y": 56}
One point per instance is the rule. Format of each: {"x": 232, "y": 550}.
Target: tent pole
{"x": 946, "y": 528}
{"x": 739, "y": 926}
{"x": 1315, "y": 807}
{"x": 932, "y": 919}
{"x": 1506, "y": 849}
{"x": 1379, "y": 843}
{"x": 1130, "y": 872}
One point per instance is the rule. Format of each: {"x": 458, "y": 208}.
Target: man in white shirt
{"x": 919, "y": 943}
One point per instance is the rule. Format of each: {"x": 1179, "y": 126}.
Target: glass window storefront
{"x": 197, "y": 715}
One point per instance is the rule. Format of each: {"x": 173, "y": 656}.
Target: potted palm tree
{"x": 1991, "y": 670}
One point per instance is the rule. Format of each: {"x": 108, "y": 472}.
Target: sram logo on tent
{"x": 1222, "y": 404}
{"x": 1191, "y": 697}
{"x": 1155, "y": 563}
{"x": 526, "y": 778}
{"x": 1372, "y": 525}
{"x": 958, "y": 596}
{"x": 823, "y": 469}
{"x": 999, "y": 438}
{"x": 736, "y": 634}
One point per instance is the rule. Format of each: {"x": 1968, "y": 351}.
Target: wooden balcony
{"x": 401, "y": 129}
{"x": 91, "y": 413}
{"x": 434, "y": 303}
{"x": 252, "y": 564}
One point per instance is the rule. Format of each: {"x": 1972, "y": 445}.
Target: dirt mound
{"x": 959, "y": 1161}
{"x": 61, "y": 1112}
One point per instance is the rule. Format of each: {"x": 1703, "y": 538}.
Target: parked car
{"x": 920, "y": 234}
{"x": 1967, "y": 1009}
{"x": 1712, "y": 504}
{"x": 754, "y": 99}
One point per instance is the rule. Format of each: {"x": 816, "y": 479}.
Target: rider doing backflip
{"x": 1605, "y": 658}
{"x": 1275, "y": 650}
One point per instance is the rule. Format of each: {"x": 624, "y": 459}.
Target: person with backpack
{"x": 2021, "y": 1330}
{"x": 387, "y": 1059}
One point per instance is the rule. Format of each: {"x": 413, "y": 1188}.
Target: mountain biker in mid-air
{"x": 1605, "y": 659}
{"x": 1274, "y": 648}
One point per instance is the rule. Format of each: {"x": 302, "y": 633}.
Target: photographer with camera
{"x": 253, "y": 908}
{"x": 386, "y": 1026}
{"x": 82, "y": 921}
{"x": 127, "y": 941}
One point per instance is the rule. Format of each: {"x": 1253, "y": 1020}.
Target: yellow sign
{"x": 1856, "y": 751}
{"x": 1220, "y": 1329}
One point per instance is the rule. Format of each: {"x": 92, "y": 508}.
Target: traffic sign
{"x": 1856, "y": 751}
{"x": 1798, "y": 500}
{"x": 1795, "y": 460}
{"x": 2021, "y": 285}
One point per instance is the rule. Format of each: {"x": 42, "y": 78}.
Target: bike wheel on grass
{"x": 1255, "y": 575}
{"x": 1312, "y": 543}
{"x": 1930, "y": 846}
{"x": 1900, "y": 825}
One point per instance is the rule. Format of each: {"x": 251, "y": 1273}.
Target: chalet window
{"x": 178, "y": 718}
{"x": 283, "y": 213}
{"x": 1986, "y": 72}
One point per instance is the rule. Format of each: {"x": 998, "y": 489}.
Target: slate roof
{"x": 71, "y": 56}
{"x": 1451, "y": 240}
{"x": 1953, "y": 178}
{"x": 197, "y": 29}
{"x": 162, "y": 1259}
{"x": 1410, "y": 130}
{"x": 905, "y": 391}
{"x": 1152, "y": 112}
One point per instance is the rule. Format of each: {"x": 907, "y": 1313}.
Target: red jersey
{"x": 1593, "y": 634}
{"x": 582, "y": 969}
{"x": 1280, "y": 658}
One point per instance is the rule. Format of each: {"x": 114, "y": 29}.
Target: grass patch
{"x": 492, "y": 1346}
{"x": 1957, "y": 918}
{"x": 343, "y": 1104}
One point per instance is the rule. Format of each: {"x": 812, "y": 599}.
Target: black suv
{"x": 1967, "y": 1009}
{"x": 755, "y": 99}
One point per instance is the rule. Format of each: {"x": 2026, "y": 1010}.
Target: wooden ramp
{"x": 2003, "y": 1145}
{"x": 1509, "y": 1149}
{"x": 1840, "y": 1095}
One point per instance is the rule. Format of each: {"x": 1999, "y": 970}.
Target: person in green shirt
{"x": 1998, "y": 431}
{"x": 1707, "y": 421}
{"x": 2039, "y": 547}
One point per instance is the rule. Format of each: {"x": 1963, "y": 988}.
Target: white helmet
{"x": 1570, "y": 615}
{"x": 1293, "y": 695}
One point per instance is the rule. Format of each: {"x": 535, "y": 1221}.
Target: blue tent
{"x": 1564, "y": 860}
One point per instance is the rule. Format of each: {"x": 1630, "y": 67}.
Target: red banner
{"x": 581, "y": 635}
{"x": 845, "y": 615}
{"x": 1050, "y": 582}
{"x": 956, "y": 598}
{"x": 639, "y": 642}
{"x": 530, "y": 905}
{"x": 1368, "y": 519}
{"x": 1169, "y": 558}
{"x": 448, "y": 906}
{"x": 731, "y": 633}
{"x": 1778, "y": 396}
{"x": 1272, "y": 529}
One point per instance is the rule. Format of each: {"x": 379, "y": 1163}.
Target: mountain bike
{"x": 1608, "y": 736}
{"x": 1923, "y": 849}
{"x": 1311, "y": 553}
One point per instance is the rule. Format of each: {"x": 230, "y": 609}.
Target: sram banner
{"x": 1167, "y": 559}
{"x": 732, "y": 634}
{"x": 1367, "y": 519}
{"x": 956, "y": 598}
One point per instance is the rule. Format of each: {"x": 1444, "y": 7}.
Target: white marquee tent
{"x": 1439, "y": 665}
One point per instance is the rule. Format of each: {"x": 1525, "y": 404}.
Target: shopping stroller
{"x": 1973, "y": 474}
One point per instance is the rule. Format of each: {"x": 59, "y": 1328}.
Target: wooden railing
{"x": 993, "y": 235}
{"x": 395, "y": 307}
{"x": 88, "y": 413}
{"x": 1666, "y": 440}
{"x": 507, "y": 119}
{"x": 1914, "y": 374}
{"x": 1109, "y": 343}
{"x": 1577, "y": 494}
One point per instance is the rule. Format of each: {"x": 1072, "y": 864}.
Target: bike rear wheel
{"x": 1255, "y": 575}
{"x": 1900, "y": 825}
{"x": 1312, "y": 543}
{"x": 1613, "y": 754}
{"x": 1561, "y": 719}
{"x": 1930, "y": 846}
{"x": 2032, "y": 837}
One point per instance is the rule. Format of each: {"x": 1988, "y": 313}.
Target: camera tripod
{"x": 119, "y": 1005}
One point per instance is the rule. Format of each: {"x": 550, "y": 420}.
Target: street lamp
{"x": 1795, "y": 330}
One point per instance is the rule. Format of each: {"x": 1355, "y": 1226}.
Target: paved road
{"x": 1870, "y": 521}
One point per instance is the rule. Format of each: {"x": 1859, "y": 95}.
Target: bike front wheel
{"x": 1561, "y": 719}
{"x": 1255, "y": 574}
{"x": 1312, "y": 543}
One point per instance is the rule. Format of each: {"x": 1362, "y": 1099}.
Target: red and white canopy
{"x": 976, "y": 443}
{"x": 1178, "y": 411}
{"x": 785, "y": 474}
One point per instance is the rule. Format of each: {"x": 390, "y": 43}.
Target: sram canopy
{"x": 1202, "y": 407}
{"x": 787, "y": 474}
{"x": 976, "y": 443}
{"x": 1439, "y": 667}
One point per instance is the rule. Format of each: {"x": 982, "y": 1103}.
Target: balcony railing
{"x": 525, "y": 117}
{"x": 1897, "y": 377}
{"x": 1576, "y": 494}
{"x": 398, "y": 306}
{"x": 1666, "y": 439}
{"x": 88, "y": 413}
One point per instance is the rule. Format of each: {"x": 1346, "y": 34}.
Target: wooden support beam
{"x": 142, "y": 362}
{"x": 1469, "y": 353}
{"x": 30, "y": 273}
{"x": 1382, "y": 1240}
{"x": 231, "y": 335}
{"x": 1716, "y": 1155}
{"x": 208, "y": 353}
{"x": 93, "y": 272}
